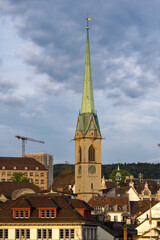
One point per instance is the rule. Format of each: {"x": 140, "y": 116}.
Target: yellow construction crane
{"x": 24, "y": 139}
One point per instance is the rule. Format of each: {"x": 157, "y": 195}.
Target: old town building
{"x": 31, "y": 169}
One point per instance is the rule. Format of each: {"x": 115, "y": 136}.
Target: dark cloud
{"x": 123, "y": 42}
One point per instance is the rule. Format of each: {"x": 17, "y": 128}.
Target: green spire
{"x": 87, "y": 99}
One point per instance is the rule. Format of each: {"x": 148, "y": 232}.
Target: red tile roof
{"x": 110, "y": 201}
{"x": 20, "y": 163}
{"x": 66, "y": 208}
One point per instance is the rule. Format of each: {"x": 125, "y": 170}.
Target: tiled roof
{"x": 110, "y": 201}
{"x": 7, "y": 188}
{"x": 20, "y": 163}
{"x": 140, "y": 207}
{"x": 62, "y": 182}
{"x": 122, "y": 190}
{"x": 139, "y": 185}
{"x": 66, "y": 208}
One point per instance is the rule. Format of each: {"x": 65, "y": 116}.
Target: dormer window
{"x": 3, "y": 167}
{"x": 25, "y": 168}
{"x": 14, "y": 167}
{"x": 21, "y": 213}
{"x": 37, "y": 168}
{"x": 47, "y": 213}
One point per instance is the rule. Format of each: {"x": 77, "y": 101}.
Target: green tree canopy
{"x": 19, "y": 177}
{"x": 123, "y": 173}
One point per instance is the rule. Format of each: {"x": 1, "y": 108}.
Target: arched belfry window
{"x": 91, "y": 154}
{"x": 80, "y": 154}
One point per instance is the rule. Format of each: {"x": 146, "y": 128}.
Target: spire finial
{"x": 88, "y": 19}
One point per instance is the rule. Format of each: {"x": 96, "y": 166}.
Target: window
{"x": 26, "y": 168}
{"x": 42, "y": 174}
{"x": 25, "y": 174}
{"x": 80, "y": 154}
{"x": 91, "y": 154}
{"x": 3, "y": 167}
{"x": 8, "y": 173}
{"x": 27, "y": 233}
{"x": 61, "y": 234}
{"x": 42, "y": 214}
{"x": 66, "y": 234}
{"x": 37, "y": 174}
{"x": 119, "y": 208}
{"x": 37, "y": 168}
{"x": 49, "y": 233}
{"x": 52, "y": 213}
{"x": 3, "y": 233}
{"x": 37, "y": 181}
{"x": 16, "y": 214}
{"x": 22, "y": 234}
{"x": 3, "y": 174}
{"x": 26, "y": 214}
{"x": 47, "y": 213}
{"x": 39, "y": 233}
{"x": 21, "y": 213}
{"x": 14, "y": 167}
{"x": 44, "y": 234}
{"x": 42, "y": 181}
{"x": 72, "y": 233}
{"x": 31, "y": 174}
{"x": 17, "y": 233}
{"x": 92, "y": 186}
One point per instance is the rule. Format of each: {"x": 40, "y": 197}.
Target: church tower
{"x": 87, "y": 139}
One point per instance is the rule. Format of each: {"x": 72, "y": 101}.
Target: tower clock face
{"x": 91, "y": 169}
{"x": 79, "y": 169}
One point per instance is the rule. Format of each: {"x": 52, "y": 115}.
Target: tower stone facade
{"x": 87, "y": 140}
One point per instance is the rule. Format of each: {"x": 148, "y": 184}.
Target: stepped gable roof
{"x": 140, "y": 185}
{"x": 111, "y": 201}
{"x": 20, "y": 163}
{"x": 66, "y": 208}
{"x": 139, "y": 207}
{"x": 7, "y": 188}
{"x": 62, "y": 181}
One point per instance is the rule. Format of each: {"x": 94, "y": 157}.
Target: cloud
{"x": 126, "y": 62}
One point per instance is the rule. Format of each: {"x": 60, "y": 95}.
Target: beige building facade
{"x": 31, "y": 169}
{"x": 47, "y": 160}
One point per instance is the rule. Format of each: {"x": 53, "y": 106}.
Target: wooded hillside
{"x": 150, "y": 171}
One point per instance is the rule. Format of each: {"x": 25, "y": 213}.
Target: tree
{"x": 19, "y": 177}
{"x": 123, "y": 173}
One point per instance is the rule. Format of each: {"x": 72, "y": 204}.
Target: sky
{"x": 42, "y": 57}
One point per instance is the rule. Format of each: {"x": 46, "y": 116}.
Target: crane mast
{"x": 24, "y": 139}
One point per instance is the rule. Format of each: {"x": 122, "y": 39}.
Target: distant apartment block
{"x": 47, "y": 160}
{"x": 29, "y": 166}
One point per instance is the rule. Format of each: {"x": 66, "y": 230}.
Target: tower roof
{"x": 87, "y": 99}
